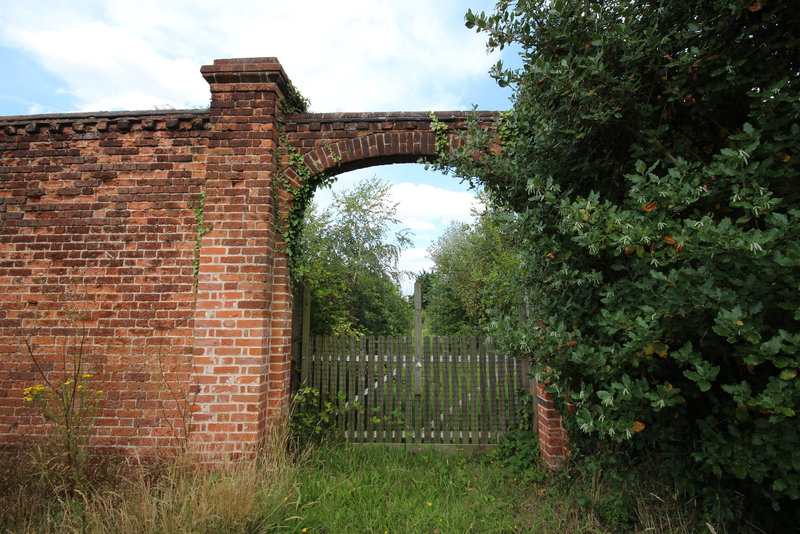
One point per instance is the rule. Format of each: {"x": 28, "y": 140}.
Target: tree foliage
{"x": 349, "y": 262}
{"x": 470, "y": 263}
{"x": 651, "y": 158}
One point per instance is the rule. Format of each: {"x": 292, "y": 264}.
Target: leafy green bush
{"x": 312, "y": 419}
{"x": 518, "y": 448}
{"x": 651, "y": 159}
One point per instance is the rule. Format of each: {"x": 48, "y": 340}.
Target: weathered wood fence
{"x": 453, "y": 392}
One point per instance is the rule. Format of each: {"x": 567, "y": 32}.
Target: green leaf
{"x": 788, "y": 374}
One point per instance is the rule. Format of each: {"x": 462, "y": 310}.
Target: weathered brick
{"x": 103, "y": 203}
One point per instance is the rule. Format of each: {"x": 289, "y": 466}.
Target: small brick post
{"x": 243, "y": 315}
{"x": 552, "y": 436}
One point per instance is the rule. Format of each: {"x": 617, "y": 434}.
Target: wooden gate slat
{"x": 511, "y": 391}
{"x": 437, "y": 391}
{"x": 452, "y": 396}
{"x": 397, "y": 375}
{"x": 323, "y": 369}
{"x": 492, "y": 391}
{"x": 311, "y": 356}
{"x": 426, "y": 384}
{"x": 484, "y": 384}
{"x": 352, "y": 370}
{"x": 444, "y": 394}
{"x": 306, "y": 356}
{"x": 464, "y": 368}
{"x": 474, "y": 405}
{"x": 369, "y": 394}
{"x": 381, "y": 386}
{"x": 362, "y": 384}
{"x": 501, "y": 396}
{"x": 455, "y": 409}
{"x": 408, "y": 390}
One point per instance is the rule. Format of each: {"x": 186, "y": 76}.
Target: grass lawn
{"x": 336, "y": 488}
{"x": 378, "y": 489}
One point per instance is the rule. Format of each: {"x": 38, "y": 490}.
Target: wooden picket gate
{"x": 449, "y": 392}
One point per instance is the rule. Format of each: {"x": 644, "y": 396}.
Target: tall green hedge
{"x": 652, "y": 158}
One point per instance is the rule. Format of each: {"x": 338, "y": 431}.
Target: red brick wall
{"x": 99, "y": 206}
{"x": 552, "y": 436}
{"x": 99, "y": 210}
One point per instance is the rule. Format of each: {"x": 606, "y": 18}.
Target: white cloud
{"x": 415, "y": 261}
{"x": 108, "y": 67}
{"x": 428, "y": 209}
{"x": 427, "y": 206}
{"x": 349, "y": 55}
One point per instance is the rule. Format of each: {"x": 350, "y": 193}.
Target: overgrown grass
{"x": 337, "y": 488}
{"x": 376, "y": 489}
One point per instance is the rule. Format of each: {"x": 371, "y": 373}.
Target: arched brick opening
{"x": 117, "y": 195}
{"x": 371, "y": 150}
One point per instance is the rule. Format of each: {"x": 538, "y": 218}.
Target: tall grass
{"x": 185, "y": 492}
{"x": 336, "y": 488}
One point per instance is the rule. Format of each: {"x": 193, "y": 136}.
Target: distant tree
{"x": 426, "y": 280}
{"x": 470, "y": 262}
{"x": 349, "y": 261}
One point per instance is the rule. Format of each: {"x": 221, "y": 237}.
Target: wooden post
{"x": 305, "y": 337}
{"x": 417, "y": 338}
{"x": 301, "y": 308}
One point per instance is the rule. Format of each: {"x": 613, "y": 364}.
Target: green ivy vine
{"x": 202, "y": 229}
{"x": 292, "y": 223}
{"x": 440, "y": 129}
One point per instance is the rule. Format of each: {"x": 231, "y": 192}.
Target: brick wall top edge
{"x": 245, "y": 60}
{"x": 386, "y": 116}
{"x": 94, "y": 116}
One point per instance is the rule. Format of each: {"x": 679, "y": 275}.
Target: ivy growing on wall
{"x": 292, "y": 223}
{"x": 202, "y": 229}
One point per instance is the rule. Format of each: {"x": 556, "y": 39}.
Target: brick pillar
{"x": 239, "y": 350}
{"x": 552, "y": 436}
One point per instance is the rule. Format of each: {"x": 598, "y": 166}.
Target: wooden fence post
{"x": 305, "y": 336}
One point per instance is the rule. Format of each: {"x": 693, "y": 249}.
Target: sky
{"x": 345, "y": 55}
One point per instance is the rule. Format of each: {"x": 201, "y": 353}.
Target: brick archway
{"x": 341, "y": 142}
{"x": 243, "y": 314}
{"x": 110, "y": 201}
